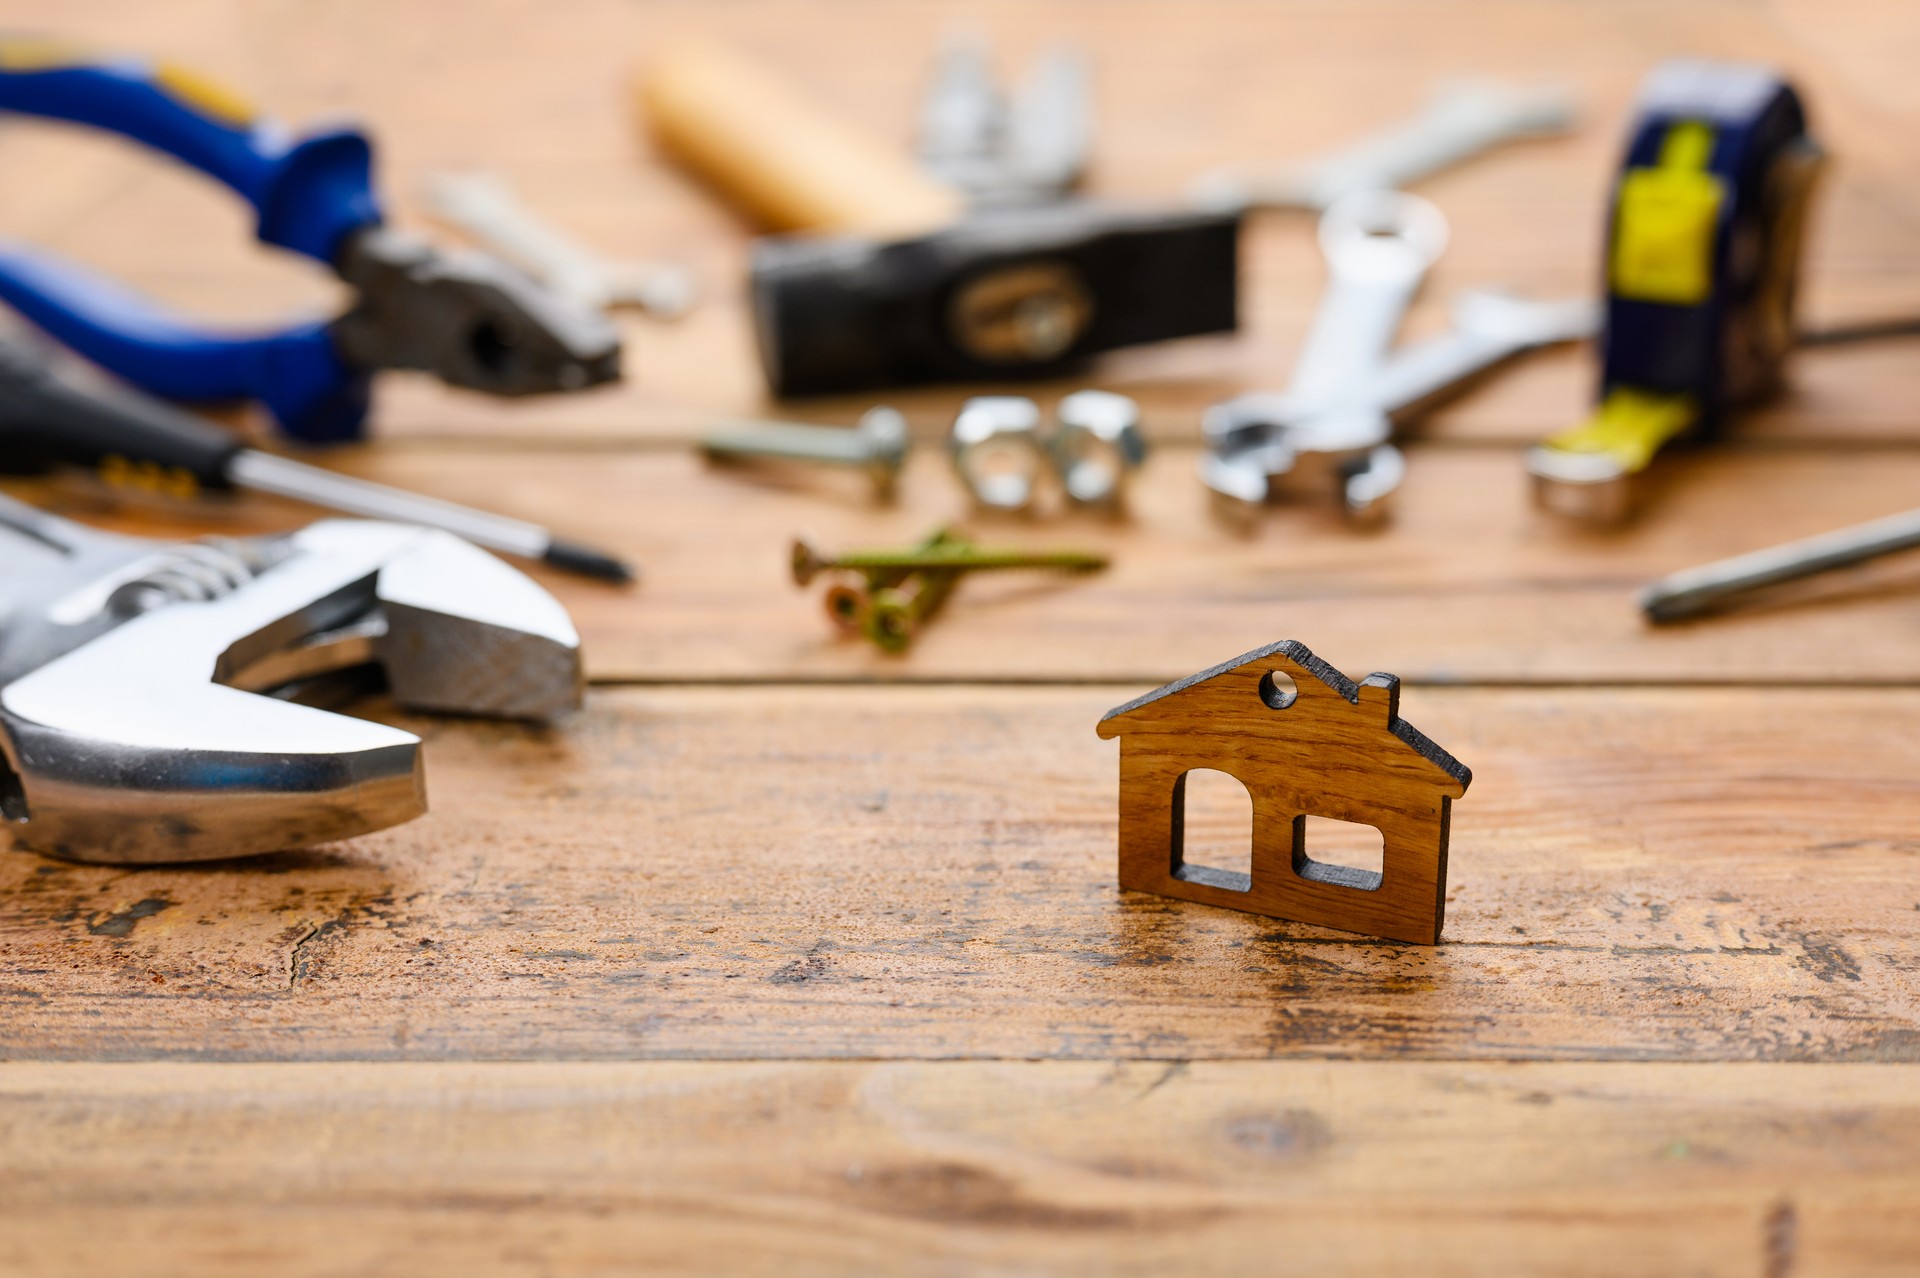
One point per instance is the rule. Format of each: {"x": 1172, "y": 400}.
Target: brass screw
{"x": 898, "y": 612}
{"x": 900, "y": 590}
{"x": 953, "y": 555}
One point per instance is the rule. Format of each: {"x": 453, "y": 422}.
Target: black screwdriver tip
{"x": 588, "y": 562}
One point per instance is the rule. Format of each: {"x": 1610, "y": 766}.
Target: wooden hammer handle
{"x": 785, "y": 162}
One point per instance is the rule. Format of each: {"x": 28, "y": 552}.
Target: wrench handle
{"x": 310, "y": 193}
{"x": 1351, "y": 335}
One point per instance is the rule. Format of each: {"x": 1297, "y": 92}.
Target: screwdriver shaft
{"x": 1695, "y": 590}
{"x": 264, "y": 472}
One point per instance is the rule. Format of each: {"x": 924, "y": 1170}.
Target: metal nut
{"x": 998, "y": 452}
{"x": 1097, "y": 447}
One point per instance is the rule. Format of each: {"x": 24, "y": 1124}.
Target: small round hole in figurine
{"x": 1278, "y": 690}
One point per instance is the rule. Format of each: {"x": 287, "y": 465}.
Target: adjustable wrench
{"x": 1459, "y": 121}
{"x": 1489, "y": 327}
{"x": 131, "y": 725}
{"x": 1378, "y": 246}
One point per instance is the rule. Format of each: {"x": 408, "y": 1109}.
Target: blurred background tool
{"x": 1711, "y": 586}
{"x": 485, "y": 208}
{"x": 1255, "y": 438}
{"x": 465, "y": 317}
{"x": 1703, "y": 261}
{"x": 898, "y": 283}
{"x": 878, "y": 445}
{"x": 889, "y": 595}
{"x": 1459, "y": 121}
{"x": 1378, "y": 246}
{"x": 52, "y": 416}
{"x": 147, "y": 687}
{"x": 1026, "y": 148}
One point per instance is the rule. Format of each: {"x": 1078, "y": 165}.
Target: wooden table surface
{"x": 786, "y": 956}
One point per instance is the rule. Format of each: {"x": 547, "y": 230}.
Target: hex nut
{"x": 1097, "y": 446}
{"x": 997, "y": 450}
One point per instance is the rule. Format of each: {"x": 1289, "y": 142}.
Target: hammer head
{"x": 1011, "y": 293}
{"x": 150, "y": 692}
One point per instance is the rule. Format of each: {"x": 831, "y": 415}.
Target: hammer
{"x": 878, "y": 275}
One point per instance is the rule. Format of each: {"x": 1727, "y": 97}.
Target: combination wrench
{"x": 486, "y": 208}
{"x": 1459, "y": 121}
{"x": 1250, "y": 436}
{"x": 1378, "y": 246}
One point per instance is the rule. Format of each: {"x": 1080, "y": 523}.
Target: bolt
{"x": 878, "y": 445}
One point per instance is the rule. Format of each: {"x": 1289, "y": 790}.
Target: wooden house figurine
{"x": 1305, "y": 741}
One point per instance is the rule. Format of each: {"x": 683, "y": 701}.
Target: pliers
{"x": 464, "y": 316}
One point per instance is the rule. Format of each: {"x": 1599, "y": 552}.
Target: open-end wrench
{"x": 1326, "y": 427}
{"x": 1459, "y": 121}
{"x": 486, "y": 208}
{"x": 1248, "y": 435}
{"x": 133, "y": 725}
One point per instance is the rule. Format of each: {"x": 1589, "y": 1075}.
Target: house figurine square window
{"x": 1306, "y": 742}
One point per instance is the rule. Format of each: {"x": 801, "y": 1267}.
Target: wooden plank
{"x": 771, "y": 872}
{"x": 1468, "y": 584}
{"x": 1040, "y": 1168}
{"x": 1225, "y": 82}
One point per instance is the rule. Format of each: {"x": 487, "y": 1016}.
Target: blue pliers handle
{"x": 311, "y": 193}
{"x": 464, "y": 317}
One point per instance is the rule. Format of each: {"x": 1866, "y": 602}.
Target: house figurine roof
{"x": 1298, "y": 658}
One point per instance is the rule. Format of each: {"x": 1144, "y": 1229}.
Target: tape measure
{"x": 1703, "y": 256}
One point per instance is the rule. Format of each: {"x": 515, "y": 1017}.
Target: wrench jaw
{"x": 82, "y": 798}
{"x": 149, "y": 741}
{"x": 1260, "y": 451}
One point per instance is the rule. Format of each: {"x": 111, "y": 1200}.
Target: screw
{"x": 878, "y": 445}
{"x": 850, "y": 604}
{"x": 899, "y": 611}
{"x": 952, "y": 556}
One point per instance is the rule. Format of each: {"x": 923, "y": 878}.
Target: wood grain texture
{"x": 1675, "y": 874}
{"x": 889, "y": 875}
{"x": 1304, "y": 740}
{"x": 1035, "y": 1168}
{"x": 1468, "y": 584}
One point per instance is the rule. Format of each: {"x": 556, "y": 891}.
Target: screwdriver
{"x": 50, "y": 415}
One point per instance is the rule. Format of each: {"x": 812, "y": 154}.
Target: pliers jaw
{"x": 467, "y": 318}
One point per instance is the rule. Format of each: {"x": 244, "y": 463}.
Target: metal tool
{"x": 1703, "y": 258}
{"x": 1697, "y": 590}
{"x": 1030, "y": 148}
{"x": 998, "y": 451}
{"x": 888, "y": 595}
{"x": 484, "y": 207}
{"x": 465, "y": 317}
{"x": 1096, "y": 447}
{"x": 1251, "y": 435}
{"x": 50, "y": 413}
{"x": 896, "y": 281}
{"x": 878, "y": 445}
{"x": 1378, "y": 246}
{"x": 1459, "y": 121}
{"x": 132, "y": 728}
{"x": 1014, "y": 293}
